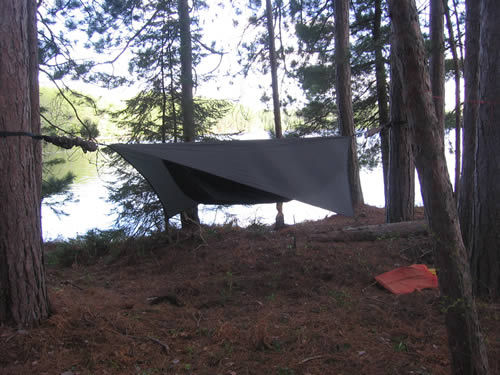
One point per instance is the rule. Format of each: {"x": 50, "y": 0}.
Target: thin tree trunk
{"x": 466, "y": 195}
{"x": 458, "y": 114}
{"x": 382, "y": 99}
{"x": 273, "y": 61}
{"x": 436, "y": 60}
{"x": 163, "y": 95}
{"x": 344, "y": 95}
{"x": 173, "y": 95}
{"x": 401, "y": 178}
{"x": 459, "y": 32}
{"x": 485, "y": 255}
{"x": 189, "y": 217}
{"x": 467, "y": 347}
{"x": 23, "y": 294}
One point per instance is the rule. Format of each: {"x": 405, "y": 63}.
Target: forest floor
{"x": 235, "y": 301}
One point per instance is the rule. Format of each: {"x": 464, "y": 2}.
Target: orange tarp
{"x": 408, "y": 279}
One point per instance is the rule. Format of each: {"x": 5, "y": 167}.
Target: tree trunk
{"x": 401, "y": 177}
{"x": 459, "y": 32}
{"x": 382, "y": 99}
{"x": 471, "y": 105}
{"x": 373, "y": 232}
{"x": 273, "y": 62}
{"x": 344, "y": 95}
{"x": 485, "y": 256}
{"x": 189, "y": 217}
{"x": 458, "y": 115}
{"x": 464, "y": 337}
{"x": 436, "y": 60}
{"x": 23, "y": 294}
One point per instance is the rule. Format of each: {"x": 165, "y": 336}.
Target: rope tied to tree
{"x": 64, "y": 142}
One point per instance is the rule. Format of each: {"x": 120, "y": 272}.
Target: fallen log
{"x": 373, "y": 232}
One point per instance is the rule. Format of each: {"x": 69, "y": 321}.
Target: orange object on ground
{"x": 408, "y": 279}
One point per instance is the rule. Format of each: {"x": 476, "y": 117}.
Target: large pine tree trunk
{"x": 485, "y": 256}
{"x": 188, "y": 217}
{"x": 471, "y": 105}
{"x": 23, "y": 294}
{"x": 401, "y": 175}
{"x": 344, "y": 95}
{"x": 273, "y": 62}
{"x": 464, "y": 337}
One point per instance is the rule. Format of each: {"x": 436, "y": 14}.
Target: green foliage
{"x": 59, "y": 186}
{"x": 59, "y": 115}
{"x": 70, "y": 112}
{"x": 150, "y": 33}
{"x": 139, "y": 212}
{"x": 315, "y": 70}
{"x": 85, "y": 249}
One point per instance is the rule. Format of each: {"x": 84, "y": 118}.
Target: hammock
{"x": 310, "y": 170}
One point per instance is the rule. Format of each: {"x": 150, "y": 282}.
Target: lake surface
{"x": 92, "y": 210}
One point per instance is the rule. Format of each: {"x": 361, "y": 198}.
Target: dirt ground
{"x": 235, "y": 301}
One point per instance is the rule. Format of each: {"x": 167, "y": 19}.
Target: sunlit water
{"x": 92, "y": 210}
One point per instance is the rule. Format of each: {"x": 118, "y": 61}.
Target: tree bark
{"x": 189, "y": 217}
{"x": 344, "y": 95}
{"x": 401, "y": 175}
{"x": 23, "y": 294}
{"x": 382, "y": 99}
{"x": 436, "y": 60}
{"x": 485, "y": 256}
{"x": 471, "y": 104}
{"x": 273, "y": 62}
{"x": 468, "y": 352}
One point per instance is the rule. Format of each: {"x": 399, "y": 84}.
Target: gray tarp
{"x": 310, "y": 170}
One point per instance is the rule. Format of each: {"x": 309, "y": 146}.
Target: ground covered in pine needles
{"x": 234, "y": 301}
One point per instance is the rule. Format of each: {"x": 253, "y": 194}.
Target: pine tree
{"x": 23, "y": 293}
{"x": 467, "y": 348}
{"x": 485, "y": 254}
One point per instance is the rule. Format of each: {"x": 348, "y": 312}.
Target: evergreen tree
{"x": 467, "y": 190}
{"x": 263, "y": 56}
{"x": 158, "y": 113}
{"x": 148, "y": 35}
{"x": 273, "y": 63}
{"x": 316, "y": 72}
{"x": 485, "y": 253}
{"x": 23, "y": 292}
{"x": 436, "y": 58}
{"x": 467, "y": 347}
{"x": 344, "y": 96}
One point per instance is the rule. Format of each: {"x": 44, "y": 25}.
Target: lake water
{"x": 92, "y": 210}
